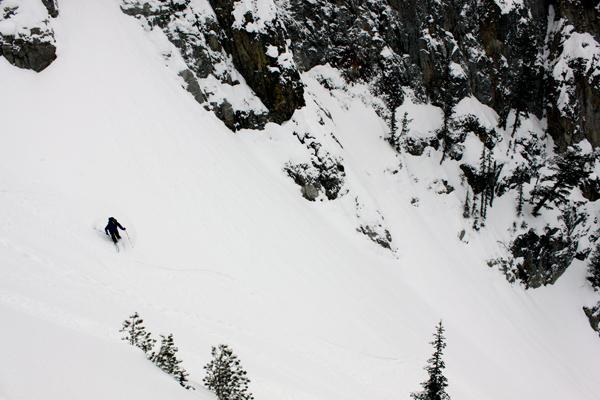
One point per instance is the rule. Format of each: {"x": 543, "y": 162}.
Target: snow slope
{"x": 225, "y": 250}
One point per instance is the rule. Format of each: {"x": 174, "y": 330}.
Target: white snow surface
{"x": 27, "y": 14}
{"x": 263, "y": 12}
{"x": 425, "y": 118}
{"x": 225, "y": 250}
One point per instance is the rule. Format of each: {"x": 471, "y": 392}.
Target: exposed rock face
{"x": 545, "y": 258}
{"x": 27, "y": 43}
{"x": 52, "y": 7}
{"x": 514, "y": 56}
{"x": 574, "y": 80}
{"x": 192, "y": 85}
{"x": 444, "y": 50}
{"x": 583, "y": 14}
{"x": 325, "y": 173}
{"x": 593, "y": 314}
{"x": 327, "y": 178}
{"x": 539, "y": 259}
{"x": 260, "y": 53}
{"x": 35, "y": 50}
{"x": 447, "y": 50}
{"x": 224, "y": 54}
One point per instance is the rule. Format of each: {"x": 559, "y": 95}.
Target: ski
{"x": 117, "y": 248}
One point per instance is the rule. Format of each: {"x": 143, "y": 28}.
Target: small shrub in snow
{"x": 225, "y": 376}
{"x": 136, "y": 334}
{"x": 166, "y": 359}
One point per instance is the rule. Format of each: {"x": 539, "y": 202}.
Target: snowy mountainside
{"x": 334, "y": 298}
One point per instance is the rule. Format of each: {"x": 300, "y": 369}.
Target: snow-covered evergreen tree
{"x": 435, "y": 387}
{"x": 136, "y": 334}
{"x": 225, "y": 376}
{"x": 166, "y": 359}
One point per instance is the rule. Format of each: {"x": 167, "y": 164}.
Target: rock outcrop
{"x": 258, "y": 43}
{"x": 593, "y": 315}
{"x": 446, "y": 50}
{"x": 52, "y": 7}
{"x": 33, "y": 50}
{"x": 241, "y": 63}
{"x": 26, "y": 36}
{"x": 574, "y": 77}
{"x": 535, "y": 57}
{"x": 325, "y": 174}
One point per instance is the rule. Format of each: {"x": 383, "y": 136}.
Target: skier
{"x": 112, "y": 228}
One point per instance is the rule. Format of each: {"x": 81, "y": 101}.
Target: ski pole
{"x": 129, "y": 239}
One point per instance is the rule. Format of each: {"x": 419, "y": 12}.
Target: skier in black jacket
{"x": 112, "y": 229}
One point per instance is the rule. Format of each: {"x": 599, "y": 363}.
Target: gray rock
{"x": 538, "y": 259}
{"x": 206, "y": 42}
{"x": 192, "y": 85}
{"x": 383, "y": 239}
{"x": 593, "y": 315}
{"x": 278, "y": 86}
{"x": 29, "y": 52}
{"x": 310, "y": 192}
{"x": 324, "y": 175}
{"x": 52, "y": 7}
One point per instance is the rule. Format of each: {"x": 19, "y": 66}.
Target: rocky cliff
{"x": 535, "y": 57}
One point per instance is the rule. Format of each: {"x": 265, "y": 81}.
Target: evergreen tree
{"x": 520, "y": 200}
{"x": 467, "y": 206}
{"x": 483, "y": 172}
{"x": 136, "y": 334}
{"x": 396, "y": 138}
{"x": 475, "y": 213}
{"x": 569, "y": 169}
{"x": 404, "y": 126}
{"x": 435, "y": 387}
{"x": 166, "y": 359}
{"x": 447, "y": 101}
{"x": 527, "y": 69}
{"x": 225, "y": 376}
{"x": 388, "y": 86}
{"x": 594, "y": 268}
